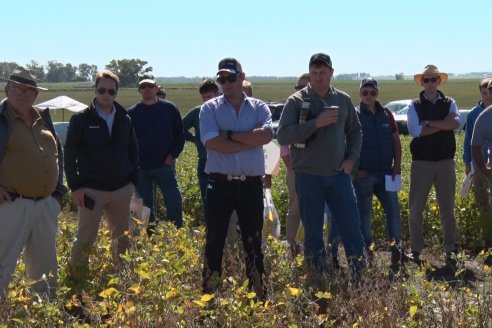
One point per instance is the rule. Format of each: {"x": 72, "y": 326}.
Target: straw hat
{"x": 23, "y": 76}
{"x": 430, "y": 70}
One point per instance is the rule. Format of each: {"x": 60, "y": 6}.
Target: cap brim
{"x": 228, "y": 70}
{"x": 27, "y": 85}
{"x": 370, "y": 85}
{"x": 148, "y": 81}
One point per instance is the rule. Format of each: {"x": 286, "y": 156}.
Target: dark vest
{"x": 377, "y": 150}
{"x": 438, "y": 146}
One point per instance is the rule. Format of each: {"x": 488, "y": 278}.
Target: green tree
{"x": 55, "y": 71}
{"x": 39, "y": 69}
{"x": 128, "y": 70}
{"x": 6, "y": 68}
{"x": 87, "y": 72}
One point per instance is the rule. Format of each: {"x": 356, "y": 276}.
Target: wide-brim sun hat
{"x": 430, "y": 70}
{"x": 23, "y": 76}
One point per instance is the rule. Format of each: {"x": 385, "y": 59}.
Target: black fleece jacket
{"x": 94, "y": 158}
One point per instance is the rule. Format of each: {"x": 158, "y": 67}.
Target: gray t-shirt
{"x": 482, "y": 131}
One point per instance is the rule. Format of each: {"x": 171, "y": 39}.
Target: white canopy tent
{"x": 62, "y": 102}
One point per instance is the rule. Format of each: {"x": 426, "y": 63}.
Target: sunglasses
{"x": 111, "y": 92}
{"x": 299, "y": 87}
{"x": 366, "y": 92}
{"x": 432, "y": 79}
{"x": 229, "y": 78}
{"x": 146, "y": 86}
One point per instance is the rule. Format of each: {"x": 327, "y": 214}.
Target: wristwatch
{"x": 229, "y": 134}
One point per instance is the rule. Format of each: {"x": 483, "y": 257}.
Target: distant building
{"x": 85, "y": 85}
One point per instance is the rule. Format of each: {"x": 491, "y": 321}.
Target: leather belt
{"x": 14, "y": 196}
{"x": 230, "y": 177}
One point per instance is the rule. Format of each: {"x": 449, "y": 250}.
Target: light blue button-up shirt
{"x": 108, "y": 118}
{"x": 217, "y": 116}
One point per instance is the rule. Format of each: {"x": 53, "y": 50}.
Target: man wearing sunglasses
{"x": 101, "y": 168}
{"x": 320, "y": 124}
{"x": 159, "y": 129}
{"x": 234, "y": 128}
{"x": 380, "y": 156}
{"x": 432, "y": 118}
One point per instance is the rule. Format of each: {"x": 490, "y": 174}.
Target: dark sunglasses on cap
{"x": 229, "y": 78}
{"x": 111, "y": 92}
{"x": 367, "y": 92}
{"x": 432, "y": 79}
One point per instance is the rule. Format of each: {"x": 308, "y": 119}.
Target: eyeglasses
{"x": 432, "y": 79}
{"x": 147, "y": 86}
{"x": 111, "y": 92}
{"x": 299, "y": 87}
{"x": 229, "y": 78}
{"x": 366, "y": 92}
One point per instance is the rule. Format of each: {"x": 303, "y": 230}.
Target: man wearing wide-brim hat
{"x": 31, "y": 184}
{"x": 432, "y": 118}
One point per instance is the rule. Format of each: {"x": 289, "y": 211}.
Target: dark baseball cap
{"x": 147, "y": 78}
{"x": 230, "y": 65}
{"x": 320, "y": 59}
{"x": 369, "y": 82}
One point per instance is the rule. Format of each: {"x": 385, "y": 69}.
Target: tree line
{"x": 128, "y": 70}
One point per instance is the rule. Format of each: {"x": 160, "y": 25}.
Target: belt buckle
{"x": 231, "y": 177}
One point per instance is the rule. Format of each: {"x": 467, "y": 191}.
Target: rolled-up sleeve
{"x": 413, "y": 123}
{"x": 265, "y": 117}
{"x": 208, "y": 124}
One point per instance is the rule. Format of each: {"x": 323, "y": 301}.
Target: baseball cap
{"x": 230, "y": 65}
{"x": 320, "y": 58}
{"x": 146, "y": 78}
{"x": 369, "y": 82}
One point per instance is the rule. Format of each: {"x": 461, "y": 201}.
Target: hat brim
{"x": 27, "y": 85}
{"x": 418, "y": 78}
{"x": 232, "y": 71}
{"x": 148, "y": 81}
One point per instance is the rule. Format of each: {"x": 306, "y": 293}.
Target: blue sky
{"x": 188, "y": 38}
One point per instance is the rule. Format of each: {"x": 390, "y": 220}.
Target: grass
{"x": 160, "y": 283}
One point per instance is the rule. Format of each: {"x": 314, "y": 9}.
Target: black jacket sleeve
{"x": 72, "y": 144}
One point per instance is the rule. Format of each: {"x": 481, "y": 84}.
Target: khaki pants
{"x": 424, "y": 175}
{"x": 32, "y": 226}
{"x": 293, "y": 220}
{"x": 116, "y": 206}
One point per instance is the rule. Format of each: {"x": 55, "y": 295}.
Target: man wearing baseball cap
{"x": 31, "y": 184}
{"x": 432, "y": 118}
{"x": 159, "y": 130}
{"x": 233, "y": 129}
{"x": 320, "y": 124}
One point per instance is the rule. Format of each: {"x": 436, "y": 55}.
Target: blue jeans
{"x": 365, "y": 188}
{"x": 165, "y": 178}
{"x": 337, "y": 191}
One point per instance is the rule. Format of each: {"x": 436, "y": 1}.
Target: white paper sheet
{"x": 392, "y": 185}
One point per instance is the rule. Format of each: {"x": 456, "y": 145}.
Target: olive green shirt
{"x": 30, "y": 163}
{"x": 327, "y": 147}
